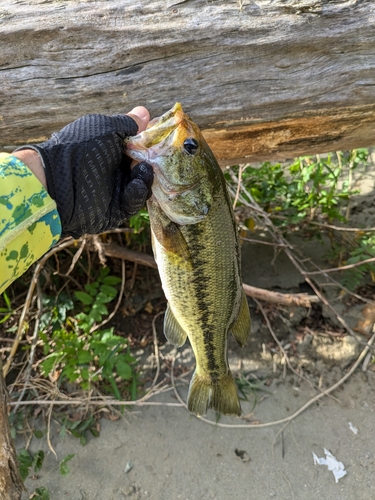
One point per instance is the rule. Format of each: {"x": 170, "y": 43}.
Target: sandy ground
{"x": 176, "y": 456}
{"x": 173, "y": 455}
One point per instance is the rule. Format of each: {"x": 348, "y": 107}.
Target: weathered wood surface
{"x": 270, "y": 79}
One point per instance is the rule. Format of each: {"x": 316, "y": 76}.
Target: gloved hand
{"x": 89, "y": 176}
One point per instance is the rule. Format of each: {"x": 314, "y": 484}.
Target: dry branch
{"x": 113, "y": 250}
{"x": 284, "y": 299}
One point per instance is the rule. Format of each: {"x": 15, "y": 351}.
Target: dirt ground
{"x": 163, "y": 453}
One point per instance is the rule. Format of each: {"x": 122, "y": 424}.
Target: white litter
{"x": 352, "y": 428}
{"x": 128, "y": 467}
{"x": 337, "y": 468}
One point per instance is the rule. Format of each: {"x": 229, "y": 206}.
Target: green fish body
{"x": 196, "y": 247}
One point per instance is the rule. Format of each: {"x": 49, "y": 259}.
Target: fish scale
{"x": 196, "y": 247}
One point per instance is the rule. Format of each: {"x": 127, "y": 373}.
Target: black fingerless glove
{"x": 89, "y": 176}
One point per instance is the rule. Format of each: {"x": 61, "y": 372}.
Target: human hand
{"x": 88, "y": 174}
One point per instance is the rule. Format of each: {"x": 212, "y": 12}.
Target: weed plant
{"x": 310, "y": 194}
{"x": 74, "y": 349}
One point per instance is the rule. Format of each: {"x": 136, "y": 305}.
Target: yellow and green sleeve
{"x": 29, "y": 222}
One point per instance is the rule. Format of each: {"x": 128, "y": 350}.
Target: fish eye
{"x": 191, "y": 145}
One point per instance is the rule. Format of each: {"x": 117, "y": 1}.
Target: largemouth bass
{"x": 196, "y": 247}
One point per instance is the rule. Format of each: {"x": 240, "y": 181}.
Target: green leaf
{"x": 104, "y": 271}
{"x": 38, "y": 460}
{"x": 64, "y": 469}
{"x": 84, "y": 297}
{"x": 7, "y": 300}
{"x": 3, "y": 320}
{"x": 133, "y": 388}
{"x": 40, "y": 494}
{"x": 92, "y": 288}
{"x": 84, "y": 357}
{"x": 100, "y": 308}
{"x": 48, "y": 364}
{"x": 104, "y": 298}
{"x": 85, "y": 424}
{"x": 25, "y": 461}
{"x": 123, "y": 368}
{"x": 62, "y": 432}
{"x": 109, "y": 290}
{"x": 38, "y": 434}
{"x": 95, "y": 315}
{"x": 111, "y": 280}
{"x": 116, "y": 392}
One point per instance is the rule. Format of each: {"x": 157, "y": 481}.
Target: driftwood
{"x": 11, "y": 485}
{"x": 263, "y": 78}
{"x": 285, "y": 299}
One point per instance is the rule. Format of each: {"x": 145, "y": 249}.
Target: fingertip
{"x": 136, "y": 194}
{"x": 141, "y": 116}
{"x": 143, "y": 171}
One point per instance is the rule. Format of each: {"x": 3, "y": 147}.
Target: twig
{"x": 113, "y": 250}
{"x": 261, "y": 242}
{"x": 49, "y": 430}
{"x": 77, "y": 255}
{"x": 99, "y": 248}
{"x": 104, "y": 402}
{"x": 342, "y": 287}
{"x": 156, "y": 349}
{"x": 238, "y": 184}
{"x": 366, "y": 362}
{"x": 33, "y": 345}
{"x": 342, "y": 268}
{"x": 285, "y": 299}
{"x": 347, "y": 229}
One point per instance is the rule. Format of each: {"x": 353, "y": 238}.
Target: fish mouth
{"x": 159, "y": 140}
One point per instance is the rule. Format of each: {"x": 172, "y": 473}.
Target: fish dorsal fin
{"x": 172, "y": 329}
{"x": 241, "y": 327}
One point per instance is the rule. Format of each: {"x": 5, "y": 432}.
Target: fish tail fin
{"x": 221, "y": 395}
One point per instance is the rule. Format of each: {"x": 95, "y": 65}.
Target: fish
{"x": 196, "y": 247}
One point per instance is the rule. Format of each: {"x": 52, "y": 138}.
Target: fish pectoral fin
{"x": 167, "y": 233}
{"x": 173, "y": 330}
{"x": 241, "y": 327}
{"x": 221, "y": 395}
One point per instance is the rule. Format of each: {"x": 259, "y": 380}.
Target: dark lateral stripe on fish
{"x": 200, "y": 281}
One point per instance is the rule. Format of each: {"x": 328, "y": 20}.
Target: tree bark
{"x": 11, "y": 485}
{"x": 264, "y": 79}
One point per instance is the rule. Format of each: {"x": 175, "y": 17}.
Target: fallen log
{"x": 263, "y": 79}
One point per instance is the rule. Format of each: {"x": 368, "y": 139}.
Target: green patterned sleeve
{"x": 29, "y": 222}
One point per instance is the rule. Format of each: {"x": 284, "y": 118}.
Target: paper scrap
{"x": 337, "y": 468}
{"x": 352, "y": 428}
